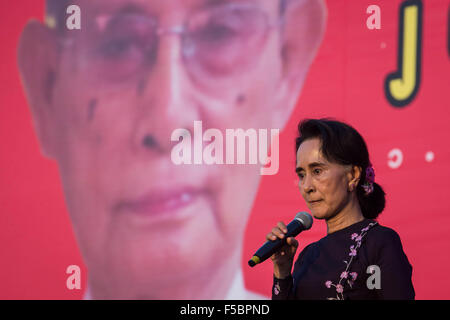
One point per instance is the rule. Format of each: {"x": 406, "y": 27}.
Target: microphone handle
{"x": 272, "y": 246}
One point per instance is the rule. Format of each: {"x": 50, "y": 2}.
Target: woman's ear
{"x": 303, "y": 30}
{"x": 37, "y": 58}
{"x": 354, "y": 176}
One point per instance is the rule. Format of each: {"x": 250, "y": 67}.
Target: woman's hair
{"x": 342, "y": 144}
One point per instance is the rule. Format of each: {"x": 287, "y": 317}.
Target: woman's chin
{"x": 318, "y": 214}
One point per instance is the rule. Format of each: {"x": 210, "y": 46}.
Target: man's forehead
{"x": 113, "y": 5}
{"x": 172, "y": 9}
{"x": 145, "y": 3}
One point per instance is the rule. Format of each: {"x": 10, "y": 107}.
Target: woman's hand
{"x": 282, "y": 259}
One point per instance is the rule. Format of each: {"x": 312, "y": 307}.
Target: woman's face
{"x": 323, "y": 185}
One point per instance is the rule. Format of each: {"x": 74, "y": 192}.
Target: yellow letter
{"x": 401, "y": 86}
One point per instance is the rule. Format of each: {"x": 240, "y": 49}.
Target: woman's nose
{"x": 307, "y": 184}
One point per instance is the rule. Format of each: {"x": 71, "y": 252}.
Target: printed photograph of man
{"x": 105, "y": 100}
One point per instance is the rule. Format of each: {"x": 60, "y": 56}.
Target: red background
{"x": 346, "y": 81}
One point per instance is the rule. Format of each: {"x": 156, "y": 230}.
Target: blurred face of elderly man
{"x": 105, "y": 100}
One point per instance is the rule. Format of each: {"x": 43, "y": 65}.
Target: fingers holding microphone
{"x": 281, "y": 244}
{"x": 283, "y": 258}
{"x": 280, "y": 232}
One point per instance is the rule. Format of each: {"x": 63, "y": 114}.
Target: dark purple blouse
{"x": 362, "y": 261}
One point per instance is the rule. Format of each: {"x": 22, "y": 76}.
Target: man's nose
{"x": 166, "y": 99}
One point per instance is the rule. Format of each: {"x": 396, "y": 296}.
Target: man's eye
{"x": 116, "y": 48}
{"x": 216, "y": 34}
{"x": 317, "y": 171}
{"x": 128, "y": 47}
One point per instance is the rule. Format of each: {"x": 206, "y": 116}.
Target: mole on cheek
{"x": 50, "y": 83}
{"x": 141, "y": 87}
{"x": 91, "y": 109}
{"x": 241, "y": 98}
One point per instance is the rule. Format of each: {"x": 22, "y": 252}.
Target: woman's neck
{"x": 346, "y": 217}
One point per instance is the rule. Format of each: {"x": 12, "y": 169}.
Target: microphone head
{"x": 305, "y": 219}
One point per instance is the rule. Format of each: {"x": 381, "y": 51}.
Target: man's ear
{"x": 304, "y": 27}
{"x": 37, "y": 57}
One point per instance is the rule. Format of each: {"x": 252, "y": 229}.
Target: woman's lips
{"x": 160, "y": 201}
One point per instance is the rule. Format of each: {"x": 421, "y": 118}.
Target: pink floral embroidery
{"x": 276, "y": 289}
{"x": 345, "y": 274}
{"x": 371, "y": 269}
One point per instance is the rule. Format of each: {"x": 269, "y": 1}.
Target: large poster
{"x": 148, "y": 147}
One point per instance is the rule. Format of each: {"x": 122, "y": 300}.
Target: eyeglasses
{"x": 217, "y": 43}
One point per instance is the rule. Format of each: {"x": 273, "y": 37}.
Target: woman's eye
{"x": 317, "y": 171}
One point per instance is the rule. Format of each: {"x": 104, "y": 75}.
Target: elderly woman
{"x": 358, "y": 258}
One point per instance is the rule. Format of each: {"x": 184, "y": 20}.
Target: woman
{"x": 358, "y": 258}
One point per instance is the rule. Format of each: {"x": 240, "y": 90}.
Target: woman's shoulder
{"x": 307, "y": 251}
{"x": 383, "y": 234}
{"x": 308, "y": 248}
{"x": 384, "y": 240}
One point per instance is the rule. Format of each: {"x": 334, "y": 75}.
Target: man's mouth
{"x": 160, "y": 201}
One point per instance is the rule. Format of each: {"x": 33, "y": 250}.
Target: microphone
{"x": 302, "y": 221}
